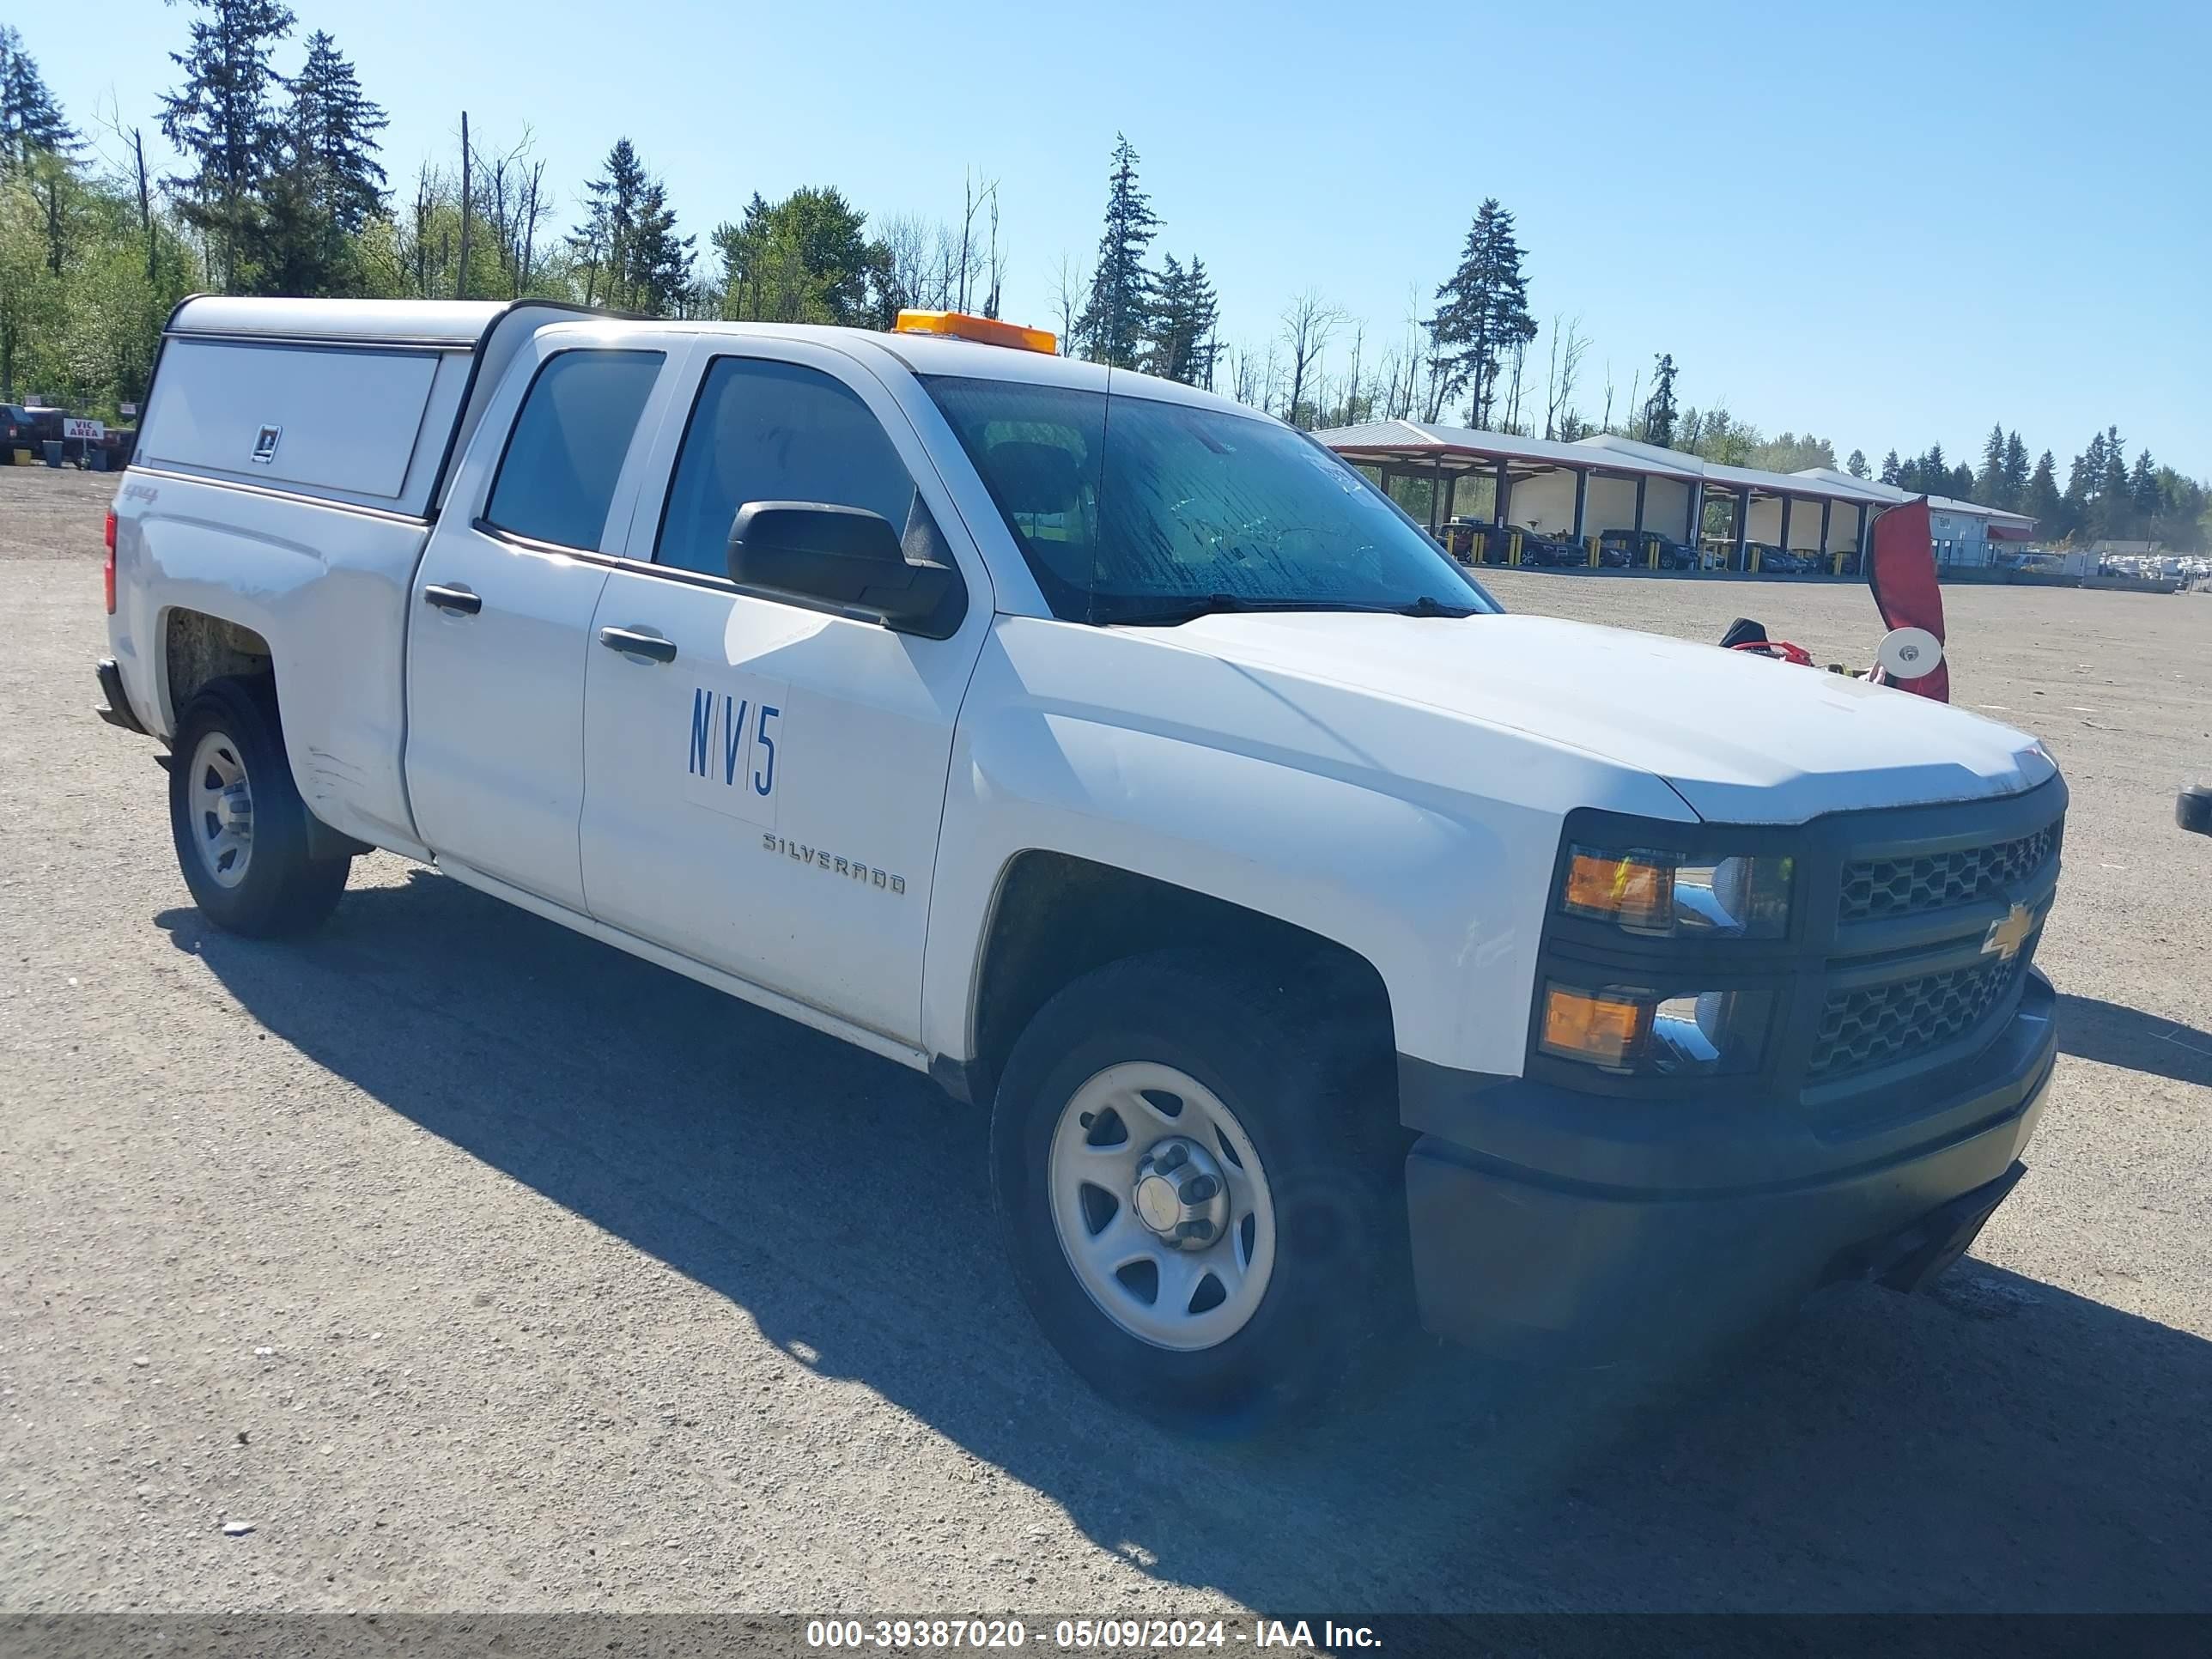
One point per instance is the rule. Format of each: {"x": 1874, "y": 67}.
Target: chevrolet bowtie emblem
{"x": 2006, "y": 936}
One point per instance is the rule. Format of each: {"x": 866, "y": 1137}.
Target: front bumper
{"x": 1600, "y": 1243}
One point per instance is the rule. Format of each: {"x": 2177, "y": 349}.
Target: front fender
{"x": 1285, "y": 807}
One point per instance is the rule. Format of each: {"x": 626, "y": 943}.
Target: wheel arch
{"x": 197, "y": 646}
{"x": 1054, "y": 916}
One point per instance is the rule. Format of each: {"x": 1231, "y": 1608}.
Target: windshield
{"x": 1130, "y": 510}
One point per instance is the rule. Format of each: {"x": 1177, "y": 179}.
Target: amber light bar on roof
{"x": 985, "y": 331}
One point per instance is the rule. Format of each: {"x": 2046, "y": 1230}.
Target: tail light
{"x": 107, "y": 570}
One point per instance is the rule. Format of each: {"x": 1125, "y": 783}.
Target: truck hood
{"x": 1742, "y": 739}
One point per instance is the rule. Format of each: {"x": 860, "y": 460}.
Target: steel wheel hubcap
{"x": 221, "y": 809}
{"x": 1161, "y": 1206}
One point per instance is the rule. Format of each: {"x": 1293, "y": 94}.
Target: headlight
{"x": 1695, "y": 1034}
{"x": 1668, "y": 894}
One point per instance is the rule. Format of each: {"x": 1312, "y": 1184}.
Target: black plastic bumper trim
{"x": 118, "y": 710}
{"x": 1591, "y": 1229}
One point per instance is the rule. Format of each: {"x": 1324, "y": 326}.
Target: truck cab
{"x": 1311, "y": 927}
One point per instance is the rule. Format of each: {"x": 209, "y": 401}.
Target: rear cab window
{"x": 556, "y": 479}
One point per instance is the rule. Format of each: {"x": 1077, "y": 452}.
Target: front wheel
{"x": 239, "y": 826}
{"x": 1198, "y": 1171}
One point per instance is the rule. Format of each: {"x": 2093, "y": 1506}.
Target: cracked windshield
{"x": 1134, "y": 510}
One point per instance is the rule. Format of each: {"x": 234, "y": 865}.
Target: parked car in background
{"x": 1637, "y": 545}
{"x": 1557, "y": 551}
{"x": 1616, "y": 547}
{"x": 23, "y": 427}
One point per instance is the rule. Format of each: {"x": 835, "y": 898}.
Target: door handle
{"x": 456, "y": 601}
{"x": 636, "y": 642}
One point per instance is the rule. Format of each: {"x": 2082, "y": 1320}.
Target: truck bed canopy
{"x": 363, "y": 402}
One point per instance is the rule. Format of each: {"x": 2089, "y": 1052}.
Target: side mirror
{"x": 844, "y": 558}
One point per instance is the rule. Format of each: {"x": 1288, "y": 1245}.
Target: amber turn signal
{"x": 1632, "y": 891}
{"x": 1602, "y": 1030}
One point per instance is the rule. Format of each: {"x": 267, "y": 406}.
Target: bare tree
{"x": 977, "y": 194}
{"x": 995, "y": 266}
{"x": 507, "y": 193}
{"x": 461, "y": 287}
{"x": 1308, "y": 323}
{"x": 908, "y": 239}
{"x": 533, "y": 206}
{"x": 1352, "y": 410}
{"x": 1520, "y": 354}
{"x": 1569, "y": 347}
{"x": 1071, "y": 285}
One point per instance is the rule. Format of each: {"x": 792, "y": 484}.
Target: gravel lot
{"x": 479, "y": 1266}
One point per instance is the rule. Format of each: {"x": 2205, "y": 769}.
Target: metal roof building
{"x": 1605, "y": 481}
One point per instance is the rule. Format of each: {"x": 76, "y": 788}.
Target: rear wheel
{"x": 1198, "y": 1171}
{"x": 239, "y": 826}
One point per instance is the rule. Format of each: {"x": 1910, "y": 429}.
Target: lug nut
{"x": 1199, "y": 1189}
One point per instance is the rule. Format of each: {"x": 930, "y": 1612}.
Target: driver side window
{"x": 767, "y": 431}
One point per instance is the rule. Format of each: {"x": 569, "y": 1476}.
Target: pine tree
{"x": 1989, "y": 480}
{"x": 2145, "y": 494}
{"x": 1482, "y": 313}
{"x": 331, "y": 128}
{"x": 31, "y": 123}
{"x": 603, "y": 241}
{"x": 1893, "y": 470}
{"x": 2115, "y": 506}
{"x": 2087, "y": 475}
{"x": 1857, "y": 466}
{"x": 2015, "y": 472}
{"x": 658, "y": 268}
{"x": 1184, "y": 313}
{"x": 330, "y": 187}
{"x": 1113, "y": 325}
{"x": 2042, "y": 501}
{"x": 1659, "y": 408}
{"x": 224, "y": 122}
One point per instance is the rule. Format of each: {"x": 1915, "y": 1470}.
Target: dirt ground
{"x": 479, "y": 1266}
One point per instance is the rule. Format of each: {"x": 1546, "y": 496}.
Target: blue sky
{"x": 1888, "y": 223}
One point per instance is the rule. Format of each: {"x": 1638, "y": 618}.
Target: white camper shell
{"x": 363, "y": 403}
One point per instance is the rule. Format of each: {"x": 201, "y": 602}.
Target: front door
{"x": 765, "y": 781}
{"x": 500, "y": 632}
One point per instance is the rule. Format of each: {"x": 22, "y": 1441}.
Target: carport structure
{"x": 1606, "y": 482}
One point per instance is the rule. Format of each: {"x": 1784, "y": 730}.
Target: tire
{"x": 2192, "y": 809}
{"x": 1312, "y": 1091}
{"x": 261, "y": 883}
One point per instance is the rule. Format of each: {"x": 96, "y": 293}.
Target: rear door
{"x": 765, "y": 781}
{"x": 500, "y": 616}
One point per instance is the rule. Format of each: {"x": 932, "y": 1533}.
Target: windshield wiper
{"x": 1184, "y": 611}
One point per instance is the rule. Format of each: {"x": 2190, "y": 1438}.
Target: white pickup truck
{"x": 1126, "y": 761}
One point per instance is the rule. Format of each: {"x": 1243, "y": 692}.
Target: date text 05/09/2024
{"x": 1087, "y": 1635}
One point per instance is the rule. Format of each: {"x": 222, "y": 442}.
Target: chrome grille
{"x": 1876, "y": 888}
{"x": 1877, "y": 1023}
